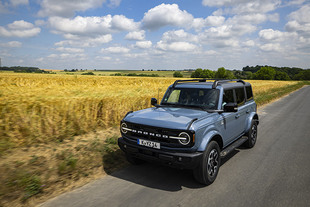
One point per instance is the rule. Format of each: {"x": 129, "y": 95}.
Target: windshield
{"x": 192, "y": 97}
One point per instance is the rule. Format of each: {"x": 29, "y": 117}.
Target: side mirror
{"x": 153, "y": 101}
{"x": 231, "y": 107}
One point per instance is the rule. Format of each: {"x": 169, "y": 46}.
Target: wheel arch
{"x": 211, "y": 136}
{"x": 253, "y": 116}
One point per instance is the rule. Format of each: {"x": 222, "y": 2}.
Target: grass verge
{"x": 275, "y": 93}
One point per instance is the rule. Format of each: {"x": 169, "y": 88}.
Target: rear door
{"x": 240, "y": 116}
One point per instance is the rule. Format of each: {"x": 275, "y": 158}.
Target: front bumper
{"x": 174, "y": 159}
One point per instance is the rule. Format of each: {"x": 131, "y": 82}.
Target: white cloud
{"x": 20, "y": 29}
{"x": 40, "y": 22}
{"x": 244, "y": 6}
{"x": 273, "y": 17}
{"x": 65, "y": 56}
{"x": 215, "y": 20}
{"x": 300, "y": 22}
{"x": 21, "y": 24}
{"x": 80, "y": 41}
{"x": 135, "y": 35}
{"x": 66, "y": 8}
{"x": 70, "y": 50}
{"x": 166, "y": 15}
{"x": 19, "y": 2}
{"x": 294, "y": 2}
{"x": 115, "y": 50}
{"x": 122, "y": 23}
{"x": 144, "y": 44}
{"x": 90, "y": 26}
{"x": 254, "y": 18}
{"x": 179, "y": 36}
{"x": 301, "y": 15}
{"x": 270, "y": 47}
{"x": 200, "y": 23}
{"x": 11, "y": 44}
{"x": 269, "y": 35}
{"x": 176, "y": 46}
{"x": 103, "y": 58}
{"x": 114, "y": 3}
{"x": 249, "y": 43}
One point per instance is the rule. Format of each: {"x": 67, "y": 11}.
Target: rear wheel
{"x": 252, "y": 135}
{"x": 209, "y": 166}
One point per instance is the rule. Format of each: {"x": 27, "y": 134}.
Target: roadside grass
{"x": 32, "y": 174}
{"x": 275, "y": 93}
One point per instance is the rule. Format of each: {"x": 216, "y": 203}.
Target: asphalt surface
{"x": 276, "y": 172}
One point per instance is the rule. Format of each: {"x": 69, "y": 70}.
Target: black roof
{"x": 214, "y": 82}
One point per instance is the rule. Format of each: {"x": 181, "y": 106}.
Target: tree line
{"x": 20, "y": 69}
{"x": 255, "y": 72}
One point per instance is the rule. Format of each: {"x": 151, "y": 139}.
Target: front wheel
{"x": 209, "y": 166}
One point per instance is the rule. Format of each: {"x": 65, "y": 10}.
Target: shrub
{"x": 178, "y": 74}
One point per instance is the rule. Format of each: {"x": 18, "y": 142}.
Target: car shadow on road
{"x": 162, "y": 177}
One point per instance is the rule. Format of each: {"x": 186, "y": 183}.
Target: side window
{"x": 249, "y": 93}
{"x": 228, "y": 96}
{"x": 240, "y": 96}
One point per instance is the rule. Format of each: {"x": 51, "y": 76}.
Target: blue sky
{"x": 152, "y": 34}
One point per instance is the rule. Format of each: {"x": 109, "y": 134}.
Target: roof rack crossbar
{"x": 215, "y": 83}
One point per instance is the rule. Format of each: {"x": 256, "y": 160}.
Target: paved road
{"x": 276, "y": 172}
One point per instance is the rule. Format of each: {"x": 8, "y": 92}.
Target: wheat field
{"x": 39, "y": 108}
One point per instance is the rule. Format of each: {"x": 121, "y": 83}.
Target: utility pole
{"x": 0, "y": 63}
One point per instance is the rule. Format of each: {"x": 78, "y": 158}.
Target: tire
{"x": 252, "y": 135}
{"x": 209, "y": 165}
{"x": 133, "y": 160}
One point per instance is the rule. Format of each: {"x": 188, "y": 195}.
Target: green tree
{"x": 265, "y": 73}
{"x": 198, "y": 73}
{"x": 178, "y": 74}
{"x": 222, "y": 73}
{"x": 281, "y": 76}
{"x": 303, "y": 75}
{"x": 203, "y": 73}
{"x": 208, "y": 73}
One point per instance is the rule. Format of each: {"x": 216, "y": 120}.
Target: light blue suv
{"x": 198, "y": 122}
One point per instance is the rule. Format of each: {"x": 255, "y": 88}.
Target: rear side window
{"x": 228, "y": 96}
{"x": 249, "y": 93}
{"x": 240, "y": 96}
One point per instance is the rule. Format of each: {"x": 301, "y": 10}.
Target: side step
{"x": 233, "y": 146}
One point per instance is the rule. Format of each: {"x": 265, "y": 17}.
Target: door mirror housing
{"x": 231, "y": 107}
{"x": 153, "y": 101}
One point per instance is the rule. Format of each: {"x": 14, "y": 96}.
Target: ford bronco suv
{"x": 198, "y": 122}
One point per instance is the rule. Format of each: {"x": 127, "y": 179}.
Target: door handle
{"x": 237, "y": 116}
{"x": 248, "y": 111}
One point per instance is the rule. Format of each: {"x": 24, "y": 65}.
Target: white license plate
{"x": 147, "y": 143}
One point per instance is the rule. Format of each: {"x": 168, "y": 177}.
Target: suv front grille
{"x": 167, "y": 137}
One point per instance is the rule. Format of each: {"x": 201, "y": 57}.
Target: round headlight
{"x": 124, "y": 128}
{"x": 186, "y": 139}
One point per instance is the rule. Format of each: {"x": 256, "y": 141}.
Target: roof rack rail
{"x": 215, "y": 83}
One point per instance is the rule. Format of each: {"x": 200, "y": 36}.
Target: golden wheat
{"x": 38, "y": 108}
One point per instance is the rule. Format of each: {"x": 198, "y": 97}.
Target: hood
{"x": 165, "y": 117}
